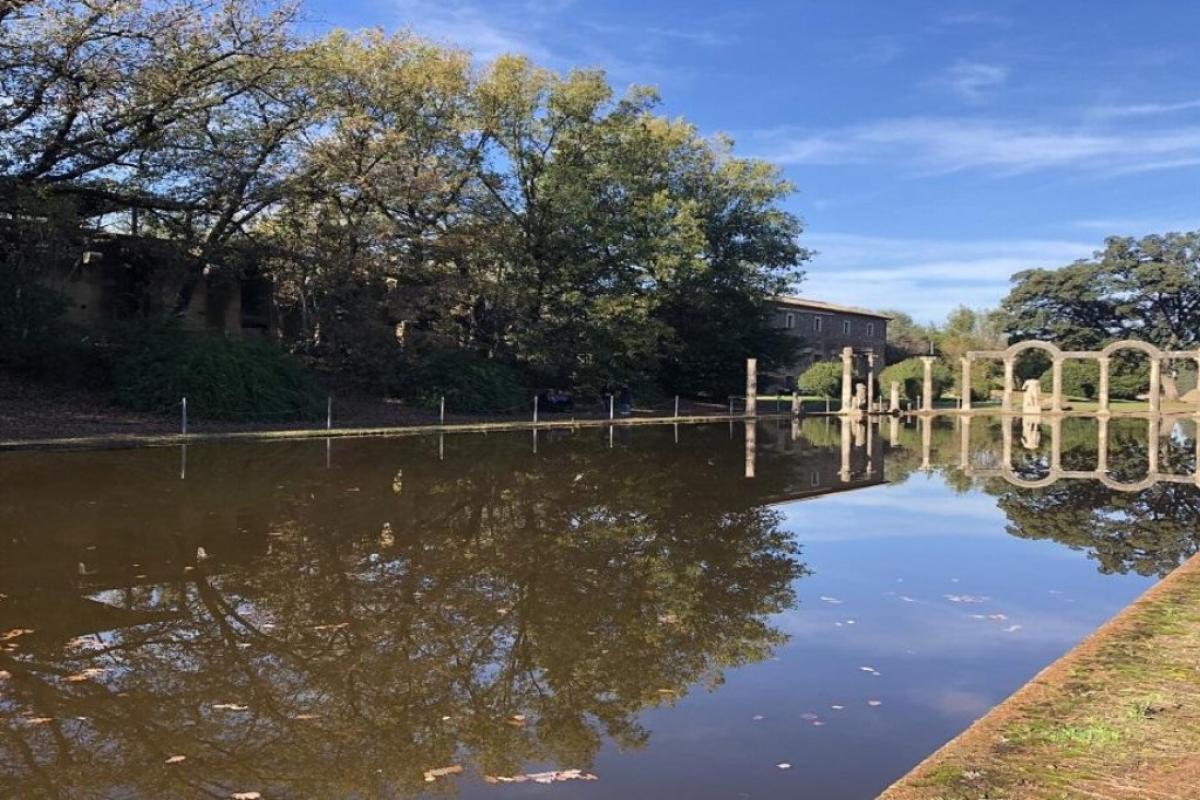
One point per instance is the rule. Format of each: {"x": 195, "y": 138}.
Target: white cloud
{"x": 973, "y": 81}
{"x": 940, "y": 145}
{"x": 926, "y": 277}
{"x": 1144, "y": 109}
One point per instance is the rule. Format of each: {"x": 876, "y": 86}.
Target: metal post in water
{"x": 611, "y": 405}
{"x": 677, "y": 405}
{"x": 329, "y": 413}
{"x": 442, "y": 411}
{"x": 731, "y": 406}
{"x": 535, "y": 407}
{"x": 183, "y": 417}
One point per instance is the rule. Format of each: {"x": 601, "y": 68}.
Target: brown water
{"x": 336, "y": 620}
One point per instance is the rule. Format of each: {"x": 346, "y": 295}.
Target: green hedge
{"x": 823, "y": 379}
{"x": 911, "y": 375}
{"x": 221, "y": 378}
{"x": 470, "y": 382}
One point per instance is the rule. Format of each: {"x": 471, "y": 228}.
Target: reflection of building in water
{"x": 1031, "y": 438}
{"x": 823, "y": 455}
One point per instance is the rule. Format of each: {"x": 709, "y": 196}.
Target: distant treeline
{"x": 405, "y": 202}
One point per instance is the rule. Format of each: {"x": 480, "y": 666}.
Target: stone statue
{"x": 1031, "y": 432}
{"x": 860, "y": 397}
{"x": 1032, "y": 401}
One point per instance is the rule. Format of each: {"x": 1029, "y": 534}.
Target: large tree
{"x": 1145, "y": 289}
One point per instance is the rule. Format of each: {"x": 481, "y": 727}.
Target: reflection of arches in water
{"x": 1101, "y": 473}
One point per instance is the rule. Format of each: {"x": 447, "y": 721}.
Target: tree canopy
{"x": 402, "y": 199}
{"x": 1146, "y": 288}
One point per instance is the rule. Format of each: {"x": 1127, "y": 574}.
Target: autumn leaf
{"x": 175, "y": 759}
{"x": 432, "y": 775}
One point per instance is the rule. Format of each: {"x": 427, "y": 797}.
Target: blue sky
{"x": 936, "y": 147}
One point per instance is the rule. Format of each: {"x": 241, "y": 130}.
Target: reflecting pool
{"x": 781, "y": 610}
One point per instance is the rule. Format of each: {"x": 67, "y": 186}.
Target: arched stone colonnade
{"x": 1058, "y": 357}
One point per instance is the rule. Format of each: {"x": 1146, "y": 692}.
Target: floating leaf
{"x": 784, "y": 765}
{"x": 874, "y": 703}
{"x": 432, "y": 775}
{"x": 247, "y": 796}
{"x": 230, "y": 707}
{"x": 175, "y": 759}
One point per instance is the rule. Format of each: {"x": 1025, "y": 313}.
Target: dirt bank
{"x": 1118, "y": 718}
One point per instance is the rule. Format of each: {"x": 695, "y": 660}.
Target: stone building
{"x": 823, "y": 329}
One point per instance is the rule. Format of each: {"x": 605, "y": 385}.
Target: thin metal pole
{"x": 442, "y": 411}
{"x": 677, "y": 405}
{"x": 329, "y": 413}
{"x": 183, "y": 417}
{"x": 611, "y": 399}
{"x": 535, "y": 407}
{"x": 731, "y": 406}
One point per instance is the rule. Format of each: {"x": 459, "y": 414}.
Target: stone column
{"x": 964, "y": 386}
{"x": 1006, "y": 437}
{"x": 1155, "y": 385}
{"x": 847, "y": 379}
{"x": 797, "y": 408}
{"x": 751, "y": 387}
{"x": 1102, "y": 445}
{"x": 894, "y": 402}
{"x": 1103, "y": 361}
{"x": 1006, "y": 404}
{"x": 927, "y": 384}
{"x": 1056, "y": 400}
{"x": 1198, "y": 423}
{"x": 870, "y": 382}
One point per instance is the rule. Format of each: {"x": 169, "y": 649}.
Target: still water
{"x": 701, "y": 612}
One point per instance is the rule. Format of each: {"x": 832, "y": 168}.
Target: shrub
{"x": 222, "y": 378}
{"x": 469, "y": 381}
{"x": 823, "y": 379}
{"x": 1128, "y": 377}
{"x": 911, "y": 375}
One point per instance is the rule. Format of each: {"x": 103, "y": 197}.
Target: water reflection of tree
{"x": 403, "y": 612}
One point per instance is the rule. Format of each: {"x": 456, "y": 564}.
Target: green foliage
{"x": 221, "y": 378}
{"x": 1117, "y": 294}
{"x": 469, "y": 382}
{"x": 1128, "y": 377}
{"x": 823, "y": 378}
{"x": 911, "y": 375}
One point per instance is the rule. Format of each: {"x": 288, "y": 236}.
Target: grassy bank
{"x": 1118, "y": 718}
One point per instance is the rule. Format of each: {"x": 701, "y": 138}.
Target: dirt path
{"x": 1117, "y": 718}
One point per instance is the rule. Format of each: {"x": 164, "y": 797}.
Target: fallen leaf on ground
{"x": 175, "y": 759}
{"x": 246, "y": 796}
{"x": 230, "y": 707}
{"x": 432, "y": 775}
{"x": 307, "y": 716}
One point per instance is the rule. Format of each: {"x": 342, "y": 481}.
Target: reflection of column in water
{"x": 535, "y": 437}
{"x": 964, "y": 443}
{"x": 1102, "y": 445}
{"x": 870, "y": 447}
{"x": 1056, "y": 445}
{"x": 795, "y": 429}
{"x": 926, "y": 442}
{"x": 1152, "y": 445}
{"x": 751, "y": 446}
{"x": 893, "y": 430}
{"x": 328, "y": 452}
{"x": 1006, "y": 434}
{"x": 677, "y": 429}
{"x": 844, "y": 473}
{"x": 610, "y": 436}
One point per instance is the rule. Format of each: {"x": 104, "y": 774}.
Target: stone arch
{"x": 1132, "y": 344}
{"x": 1119, "y": 486}
{"x": 1032, "y": 344}
{"x": 1026, "y": 483}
